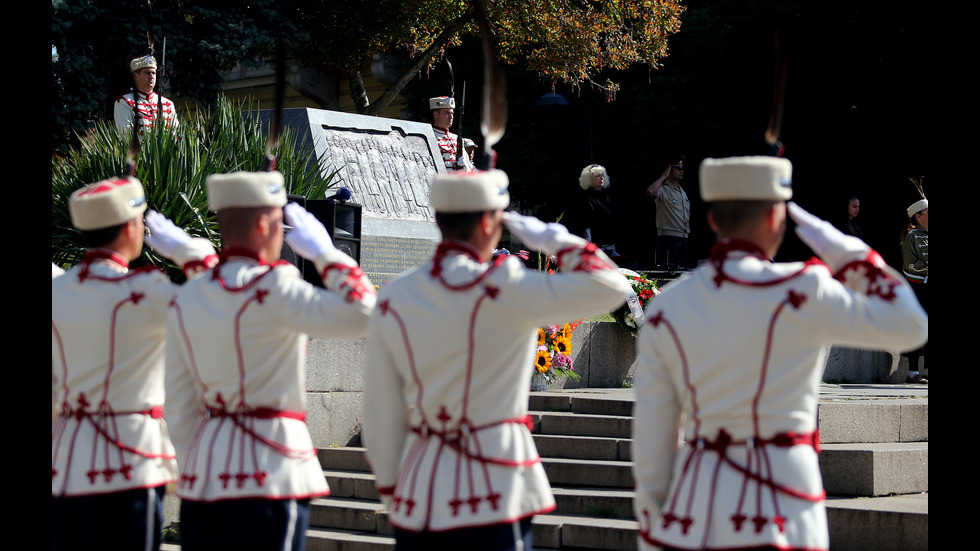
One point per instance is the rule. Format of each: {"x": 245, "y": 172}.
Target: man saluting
{"x": 731, "y": 358}
{"x": 450, "y": 351}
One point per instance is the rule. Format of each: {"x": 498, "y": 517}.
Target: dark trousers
{"x": 671, "y": 251}
{"x": 501, "y": 537}
{"x": 124, "y": 521}
{"x": 922, "y": 293}
{"x": 253, "y": 524}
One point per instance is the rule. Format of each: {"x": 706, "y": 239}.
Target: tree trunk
{"x": 416, "y": 66}
{"x": 357, "y": 91}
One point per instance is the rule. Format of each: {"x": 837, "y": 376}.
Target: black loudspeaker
{"x": 343, "y": 223}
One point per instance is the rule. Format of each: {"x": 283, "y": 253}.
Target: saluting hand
{"x": 833, "y": 246}
{"x": 309, "y": 237}
{"x": 165, "y": 236}
{"x": 534, "y": 233}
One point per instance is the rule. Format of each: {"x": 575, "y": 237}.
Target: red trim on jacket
{"x": 721, "y": 250}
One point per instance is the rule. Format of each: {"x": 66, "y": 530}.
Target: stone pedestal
{"x": 387, "y": 164}
{"x": 603, "y": 355}
{"x": 854, "y": 365}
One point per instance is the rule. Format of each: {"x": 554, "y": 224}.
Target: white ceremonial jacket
{"x": 108, "y": 325}
{"x": 449, "y": 359}
{"x": 728, "y": 374}
{"x": 236, "y": 361}
{"x": 447, "y": 142}
{"x": 147, "y": 105}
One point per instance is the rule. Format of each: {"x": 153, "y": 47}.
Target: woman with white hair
{"x": 596, "y": 215}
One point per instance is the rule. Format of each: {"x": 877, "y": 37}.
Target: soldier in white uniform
{"x": 450, "y": 353}
{"x": 729, "y": 365}
{"x": 147, "y": 102}
{"x": 111, "y": 455}
{"x": 236, "y": 358}
{"x": 443, "y": 110}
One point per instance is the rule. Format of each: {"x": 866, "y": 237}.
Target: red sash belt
{"x": 454, "y": 434}
{"x": 258, "y": 413}
{"x": 781, "y": 440}
{"x": 155, "y": 412}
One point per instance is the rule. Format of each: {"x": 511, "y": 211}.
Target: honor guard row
{"x": 445, "y": 421}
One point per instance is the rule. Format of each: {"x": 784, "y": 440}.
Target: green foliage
{"x": 173, "y": 168}
{"x": 96, "y": 39}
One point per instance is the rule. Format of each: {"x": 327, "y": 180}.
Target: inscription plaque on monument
{"x": 387, "y": 165}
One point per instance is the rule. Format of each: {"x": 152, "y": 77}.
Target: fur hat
{"x": 747, "y": 178}
{"x": 585, "y": 179}
{"x": 246, "y": 189}
{"x": 917, "y": 206}
{"x": 442, "y": 102}
{"x": 142, "y": 63}
{"x": 473, "y": 191}
{"x": 107, "y": 203}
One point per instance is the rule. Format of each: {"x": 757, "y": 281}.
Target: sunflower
{"x": 542, "y": 361}
{"x": 541, "y": 336}
{"x": 563, "y": 345}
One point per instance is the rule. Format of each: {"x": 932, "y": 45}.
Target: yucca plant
{"x": 173, "y": 166}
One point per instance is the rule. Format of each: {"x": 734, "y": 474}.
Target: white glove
{"x": 464, "y": 162}
{"x": 833, "y": 246}
{"x": 534, "y": 233}
{"x": 164, "y": 236}
{"x": 309, "y": 237}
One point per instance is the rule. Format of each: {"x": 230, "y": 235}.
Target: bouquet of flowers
{"x": 553, "y": 356}
{"x": 645, "y": 290}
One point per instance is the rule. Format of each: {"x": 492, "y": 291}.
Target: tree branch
{"x": 419, "y": 62}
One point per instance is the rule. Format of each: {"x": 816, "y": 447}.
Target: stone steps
{"x": 874, "y": 463}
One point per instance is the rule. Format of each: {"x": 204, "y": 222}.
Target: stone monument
{"x": 387, "y": 165}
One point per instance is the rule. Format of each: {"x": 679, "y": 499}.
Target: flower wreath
{"x": 552, "y": 357}
{"x": 645, "y": 290}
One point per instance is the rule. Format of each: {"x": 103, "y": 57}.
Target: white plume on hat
{"x": 442, "y": 102}
{"x": 142, "y": 63}
{"x": 107, "y": 203}
{"x": 921, "y": 204}
{"x": 758, "y": 178}
{"x": 475, "y": 191}
{"x": 246, "y": 189}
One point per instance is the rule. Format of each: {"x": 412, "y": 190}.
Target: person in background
{"x": 851, "y": 224}
{"x": 673, "y": 215}
{"x": 597, "y": 216}
{"x": 143, "y": 100}
{"x": 443, "y": 110}
{"x": 915, "y": 268}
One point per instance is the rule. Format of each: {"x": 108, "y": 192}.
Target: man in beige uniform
{"x": 236, "y": 359}
{"x": 673, "y": 215}
{"x": 450, "y": 355}
{"x": 111, "y": 455}
{"x": 730, "y": 359}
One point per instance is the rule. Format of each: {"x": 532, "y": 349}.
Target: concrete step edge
{"x": 877, "y": 469}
